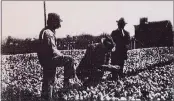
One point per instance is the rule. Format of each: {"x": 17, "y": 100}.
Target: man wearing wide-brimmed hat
{"x": 96, "y": 61}
{"x": 50, "y": 57}
{"x": 121, "y": 37}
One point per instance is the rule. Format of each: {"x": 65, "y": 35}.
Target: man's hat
{"x": 108, "y": 42}
{"x": 122, "y": 21}
{"x": 53, "y": 17}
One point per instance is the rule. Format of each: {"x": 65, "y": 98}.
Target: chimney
{"x": 143, "y": 20}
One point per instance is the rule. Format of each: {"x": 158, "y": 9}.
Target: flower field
{"x": 151, "y": 77}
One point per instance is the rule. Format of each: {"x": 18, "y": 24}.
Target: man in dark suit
{"x": 95, "y": 62}
{"x": 121, "y": 38}
{"x": 50, "y": 57}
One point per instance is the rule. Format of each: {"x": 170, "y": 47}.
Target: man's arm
{"x": 51, "y": 42}
{"x": 109, "y": 67}
{"x": 88, "y": 55}
{"x": 113, "y": 36}
{"x": 128, "y": 40}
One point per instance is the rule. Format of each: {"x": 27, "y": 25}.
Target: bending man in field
{"x": 50, "y": 57}
{"x": 95, "y": 62}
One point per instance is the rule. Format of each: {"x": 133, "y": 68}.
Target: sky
{"x": 25, "y": 19}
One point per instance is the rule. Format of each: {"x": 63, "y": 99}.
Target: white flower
{"x": 101, "y": 96}
{"x": 107, "y": 98}
{"x": 123, "y": 98}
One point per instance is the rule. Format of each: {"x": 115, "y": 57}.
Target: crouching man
{"x": 95, "y": 62}
{"x": 50, "y": 57}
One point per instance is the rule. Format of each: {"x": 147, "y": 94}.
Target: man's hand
{"x": 110, "y": 67}
{"x": 113, "y": 49}
{"x": 57, "y": 53}
{"x": 127, "y": 46}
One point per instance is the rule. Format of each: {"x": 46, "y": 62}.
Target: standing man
{"x": 50, "y": 57}
{"x": 121, "y": 38}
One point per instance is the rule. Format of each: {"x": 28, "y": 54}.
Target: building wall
{"x": 154, "y": 34}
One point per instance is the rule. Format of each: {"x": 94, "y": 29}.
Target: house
{"x": 153, "y": 34}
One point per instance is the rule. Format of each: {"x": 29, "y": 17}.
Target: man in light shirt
{"x": 121, "y": 37}
{"x": 50, "y": 57}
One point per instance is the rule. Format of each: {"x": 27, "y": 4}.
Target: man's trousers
{"x": 49, "y": 72}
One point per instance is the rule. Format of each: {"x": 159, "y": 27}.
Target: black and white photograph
{"x": 87, "y": 51}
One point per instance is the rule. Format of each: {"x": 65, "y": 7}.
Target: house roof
{"x": 155, "y": 25}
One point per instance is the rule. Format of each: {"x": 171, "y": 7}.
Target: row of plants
{"x": 150, "y": 77}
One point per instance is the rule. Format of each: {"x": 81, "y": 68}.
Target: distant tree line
{"x": 13, "y": 45}
{"x": 147, "y": 34}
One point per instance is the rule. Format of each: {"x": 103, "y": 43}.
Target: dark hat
{"x": 53, "y": 17}
{"x": 122, "y": 21}
{"x": 108, "y": 42}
